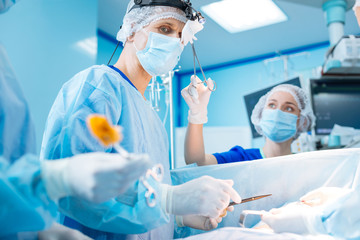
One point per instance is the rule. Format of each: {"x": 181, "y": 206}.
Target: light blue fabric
{"x": 342, "y": 218}
{"x": 288, "y": 178}
{"x": 17, "y": 135}
{"x": 6, "y": 4}
{"x": 277, "y": 125}
{"x": 160, "y": 55}
{"x": 24, "y": 204}
{"x": 102, "y": 90}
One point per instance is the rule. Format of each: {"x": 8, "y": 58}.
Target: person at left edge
{"x": 30, "y": 188}
{"x": 152, "y": 46}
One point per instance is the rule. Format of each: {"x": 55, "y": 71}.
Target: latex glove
{"x": 197, "y": 100}
{"x": 189, "y": 31}
{"x": 201, "y": 222}
{"x": 294, "y": 218}
{"x": 95, "y": 177}
{"x": 60, "y": 232}
{"x": 324, "y": 195}
{"x": 205, "y": 196}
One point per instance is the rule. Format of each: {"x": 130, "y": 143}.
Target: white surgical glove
{"x": 205, "y": 196}
{"x": 95, "y": 177}
{"x": 197, "y": 99}
{"x": 201, "y": 222}
{"x": 295, "y": 218}
{"x": 189, "y": 31}
{"x": 323, "y": 195}
{"x": 60, "y": 232}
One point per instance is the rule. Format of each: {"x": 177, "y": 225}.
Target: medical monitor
{"x": 253, "y": 98}
{"x": 335, "y": 101}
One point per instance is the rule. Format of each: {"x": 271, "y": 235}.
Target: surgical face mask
{"x": 160, "y": 55}
{"x": 277, "y": 125}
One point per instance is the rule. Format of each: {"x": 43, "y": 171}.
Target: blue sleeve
{"x": 238, "y": 154}
{"x": 15, "y": 119}
{"x": 66, "y": 134}
{"x": 25, "y": 205}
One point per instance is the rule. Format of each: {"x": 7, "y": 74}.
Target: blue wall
{"x": 40, "y": 37}
{"x": 234, "y": 80}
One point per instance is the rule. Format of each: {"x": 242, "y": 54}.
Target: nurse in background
{"x": 280, "y": 116}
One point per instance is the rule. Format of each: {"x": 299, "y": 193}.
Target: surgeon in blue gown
{"x": 152, "y": 47}
{"x": 29, "y": 188}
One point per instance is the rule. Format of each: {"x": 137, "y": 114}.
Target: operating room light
{"x": 241, "y": 15}
{"x": 88, "y": 45}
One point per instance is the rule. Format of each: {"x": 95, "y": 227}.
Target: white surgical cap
{"x": 307, "y": 117}
{"x": 357, "y": 4}
{"x": 139, "y": 18}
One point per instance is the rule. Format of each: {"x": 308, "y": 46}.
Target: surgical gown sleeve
{"x": 66, "y": 134}
{"x": 24, "y": 203}
{"x": 17, "y": 135}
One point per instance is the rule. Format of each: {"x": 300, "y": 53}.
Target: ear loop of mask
{"x": 205, "y": 79}
{"x": 117, "y": 45}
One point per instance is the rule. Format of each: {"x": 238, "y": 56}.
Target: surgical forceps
{"x": 157, "y": 173}
{"x": 192, "y": 85}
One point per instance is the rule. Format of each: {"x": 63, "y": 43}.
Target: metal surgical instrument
{"x": 249, "y": 199}
{"x": 192, "y": 85}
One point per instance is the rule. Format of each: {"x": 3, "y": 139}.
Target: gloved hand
{"x": 60, "y": 232}
{"x": 197, "y": 99}
{"x": 189, "y": 31}
{"x": 95, "y": 177}
{"x": 294, "y": 218}
{"x": 324, "y": 195}
{"x": 205, "y": 196}
{"x": 201, "y": 222}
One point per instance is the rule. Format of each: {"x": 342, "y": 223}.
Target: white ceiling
{"x": 306, "y": 26}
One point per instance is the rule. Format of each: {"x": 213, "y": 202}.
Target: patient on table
{"x": 326, "y": 210}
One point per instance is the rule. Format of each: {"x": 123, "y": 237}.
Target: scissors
{"x": 245, "y": 200}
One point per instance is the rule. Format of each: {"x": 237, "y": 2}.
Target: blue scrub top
{"x": 239, "y": 154}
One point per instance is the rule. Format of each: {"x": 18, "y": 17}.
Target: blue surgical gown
{"x": 238, "y": 154}
{"x": 106, "y": 90}
{"x": 6, "y": 4}
{"x": 24, "y": 204}
{"x": 17, "y": 134}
